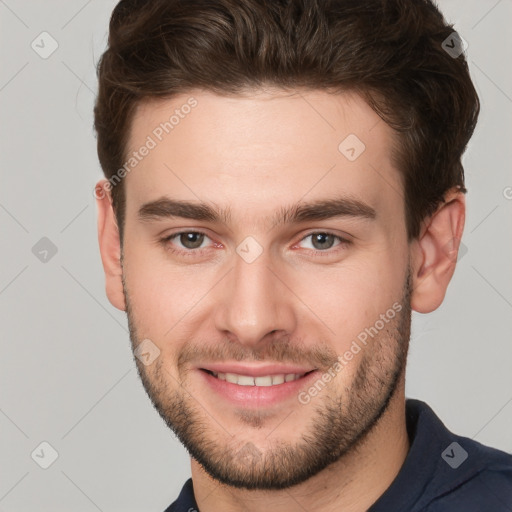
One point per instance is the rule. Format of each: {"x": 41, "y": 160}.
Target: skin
{"x": 295, "y": 302}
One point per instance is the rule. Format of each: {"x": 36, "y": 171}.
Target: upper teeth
{"x": 266, "y": 380}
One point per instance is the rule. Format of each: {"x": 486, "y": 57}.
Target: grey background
{"x": 66, "y": 370}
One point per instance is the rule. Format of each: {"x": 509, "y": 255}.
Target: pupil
{"x": 192, "y": 240}
{"x": 320, "y": 239}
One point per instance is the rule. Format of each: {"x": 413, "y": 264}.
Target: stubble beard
{"x": 340, "y": 421}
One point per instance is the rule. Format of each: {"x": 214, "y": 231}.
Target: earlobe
{"x": 110, "y": 246}
{"x": 434, "y": 253}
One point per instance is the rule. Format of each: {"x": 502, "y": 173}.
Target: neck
{"x": 352, "y": 484}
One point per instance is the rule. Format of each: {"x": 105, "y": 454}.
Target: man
{"x": 284, "y": 186}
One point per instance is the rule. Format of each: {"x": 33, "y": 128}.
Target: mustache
{"x": 283, "y": 350}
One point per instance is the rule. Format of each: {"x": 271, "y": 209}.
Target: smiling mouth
{"x": 261, "y": 381}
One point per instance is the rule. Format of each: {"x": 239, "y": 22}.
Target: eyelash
{"x": 343, "y": 243}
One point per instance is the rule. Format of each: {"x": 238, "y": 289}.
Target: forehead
{"x": 262, "y": 148}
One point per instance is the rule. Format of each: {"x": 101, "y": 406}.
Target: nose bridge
{"x": 254, "y": 301}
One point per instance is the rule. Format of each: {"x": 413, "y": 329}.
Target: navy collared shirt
{"x": 442, "y": 472}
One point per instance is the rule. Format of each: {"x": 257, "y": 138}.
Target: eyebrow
{"x": 166, "y": 208}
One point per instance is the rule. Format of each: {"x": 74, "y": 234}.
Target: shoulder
{"x": 489, "y": 489}
{"x": 473, "y": 478}
{"x": 460, "y": 473}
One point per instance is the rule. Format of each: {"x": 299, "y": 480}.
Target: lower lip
{"x": 257, "y": 396}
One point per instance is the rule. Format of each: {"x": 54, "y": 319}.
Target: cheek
{"x": 351, "y": 297}
{"x": 163, "y": 297}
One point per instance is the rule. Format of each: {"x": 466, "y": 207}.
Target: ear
{"x": 435, "y": 251}
{"x": 110, "y": 245}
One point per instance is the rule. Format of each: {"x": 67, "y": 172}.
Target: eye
{"x": 190, "y": 241}
{"x": 323, "y": 241}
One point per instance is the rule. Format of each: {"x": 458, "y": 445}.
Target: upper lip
{"x": 256, "y": 370}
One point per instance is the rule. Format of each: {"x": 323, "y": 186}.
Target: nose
{"x": 255, "y": 302}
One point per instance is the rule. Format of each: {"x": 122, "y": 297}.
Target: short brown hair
{"x": 389, "y": 51}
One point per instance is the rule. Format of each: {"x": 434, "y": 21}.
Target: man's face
{"x": 262, "y": 298}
